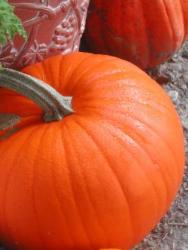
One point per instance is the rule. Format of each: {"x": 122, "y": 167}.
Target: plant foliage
{"x": 10, "y": 24}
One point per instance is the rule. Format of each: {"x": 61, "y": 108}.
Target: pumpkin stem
{"x": 54, "y": 105}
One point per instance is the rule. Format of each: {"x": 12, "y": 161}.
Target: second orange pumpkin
{"x": 145, "y": 32}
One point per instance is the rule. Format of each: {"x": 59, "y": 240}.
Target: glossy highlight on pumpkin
{"x": 145, "y": 32}
{"x": 103, "y": 176}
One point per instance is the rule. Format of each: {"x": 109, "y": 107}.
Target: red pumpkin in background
{"x": 145, "y": 32}
{"x": 104, "y": 175}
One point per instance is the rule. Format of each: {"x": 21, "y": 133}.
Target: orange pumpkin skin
{"x": 103, "y": 176}
{"x": 144, "y": 32}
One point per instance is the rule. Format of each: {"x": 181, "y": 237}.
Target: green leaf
{"x": 10, "y": 24}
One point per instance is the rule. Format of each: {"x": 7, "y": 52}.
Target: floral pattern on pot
{"x": 53, "y": 27}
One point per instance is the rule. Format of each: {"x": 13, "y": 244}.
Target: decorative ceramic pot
{"x": 53, "y": 27}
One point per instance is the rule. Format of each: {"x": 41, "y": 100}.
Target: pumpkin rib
{"x": 39, "y": 71}
{"x": 11, "y": 172}
{"x": 101, "y": 85}
{"x": 139, "y": 148}
{"x": 110, "y": 165}
{"x": 110, "y": 73}
{"x": 154, "y": 132}
{"x": 166, "y": 146}
{"x": 111, "y": 67}
{"x": 34, "y": 215}
{"x": 59, "y": 197}
{"x": 58, "y": 75}
{"x": 63, "y": 143}
{"x": 125, "y": 68}
{"x": 6, "y": 150}
{"x": 84, "y": 57}
{"x": 87, "y": 190}
{"x": 152, "y": 129}
{"x": 162, "y": 109}
{"x": 169, "y": 23}
{"x": 145, "y": 35}
{"x": 89, "y": 69}
{"x": 9, "y": 231}
{"x": 158, "y": 107}
{"x": 163, "y": 176}
{"x": 130, "y": 153}
{"x": 73, "y": 189}
{"x": 50, "y": 73}
{"x": 184, "y": 5}
{"x": 78, "y": 123}
{"x": 35, "y": 166}
{"x": 107, "y": 161}
{"x": 152, "y": 44}
{"x": 164, "y": 179}
{"x": 46, "y": 74}
{"x": 176, "y": 40}
{"x": 114, "y": 72}
{"x": 120, "y": 141}
{"x": 73, "y": 193}
{"x": 56, "y": 190}
{"x": 184, "y": 28}
{"x": 145, "y": 152}
{"x": 89, "y": 197}
{"x": 128, "y": 118}
{"x": 136, "y": 143}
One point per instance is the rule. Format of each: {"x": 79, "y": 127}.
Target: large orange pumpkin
{"x": 145, "y": 32}
{"x": 101, "y": 177}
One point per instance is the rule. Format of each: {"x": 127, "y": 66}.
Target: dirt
{"x": 172, "y": 232}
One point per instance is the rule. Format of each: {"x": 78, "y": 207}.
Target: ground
{"x": 172, "y": 231}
